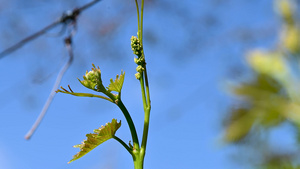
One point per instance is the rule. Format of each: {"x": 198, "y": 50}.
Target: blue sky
{"x": 192, "y": 49}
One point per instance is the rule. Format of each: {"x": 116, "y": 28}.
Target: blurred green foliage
{"x": 272, "y": 96}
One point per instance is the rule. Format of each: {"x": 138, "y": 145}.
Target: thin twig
{"x": 28, "y": 39}
{"x": 84, "y": 7}
{"x": 68, "y": 42}
{"x": 67, "y": 16}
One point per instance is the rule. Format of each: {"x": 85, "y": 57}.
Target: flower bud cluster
{"x": 92, "y": 79}
{"x": 137, "y": 49}
{"x": 136, "y": 46}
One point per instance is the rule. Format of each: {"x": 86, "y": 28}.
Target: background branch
{"x": 64, "y": 19}
{"x": 68, "y": 43}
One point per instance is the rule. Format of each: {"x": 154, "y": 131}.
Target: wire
{"x": 28, "y": 39}
{"x": 64, "y": 19}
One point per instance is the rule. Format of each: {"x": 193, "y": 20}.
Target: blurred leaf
{"x": 286, "y": 10}
{"x": 271, "y": 97}
{"x": 269, "y": 63}
{"x": 280, "y": 161}
{"x": 262, "y": 86}
{"x": 98, "y": 137}
{"x": 264, "y": 105}
{"x": 240, "y": 125}
{"x": 291, "y": 39}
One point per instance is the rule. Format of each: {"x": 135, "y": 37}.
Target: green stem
{"x": 138, "y": 162}
{"x": 147, "y": 109}
{"x": 128, "y": 118}
{"x": 145, "y": 132}
{"x": 138, "y": 15}
{"x": 141, "y": 23}
{"x": 124, "y": 144}
{"x": 133, "y": 132}
{"x": 143, "y": 90}
{"x": 138, "y": 156}
{"x": 147, "y": 87}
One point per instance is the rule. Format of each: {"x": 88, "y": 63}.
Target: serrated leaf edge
{"x": 99, "y": 136}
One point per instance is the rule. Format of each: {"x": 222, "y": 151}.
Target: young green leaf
{"x": 99, "y": 136}
{"x": 117, "y": 84}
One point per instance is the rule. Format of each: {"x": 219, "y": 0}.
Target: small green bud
{"x": 138, "y": 75}
{"x": 139, "y": 61}
{"x": 136, "y": 60}
{"x": 140, "y": 69}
